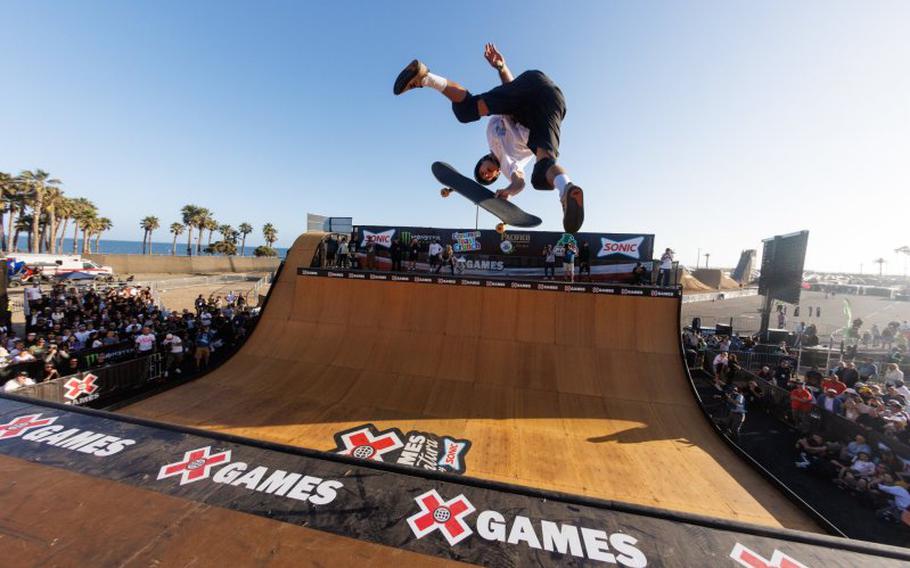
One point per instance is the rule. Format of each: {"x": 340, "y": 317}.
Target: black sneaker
{"x": 410, "y": 77}
{"x": 573, "y": 209}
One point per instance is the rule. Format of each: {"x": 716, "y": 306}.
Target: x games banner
{"x": 513, "y": 253}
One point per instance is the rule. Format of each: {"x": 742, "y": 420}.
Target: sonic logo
{"x": 76, "y": 387}
{"x": 380, "y": 239}
{"x": 445, "y": 516}
{"x": 628, "y": 247}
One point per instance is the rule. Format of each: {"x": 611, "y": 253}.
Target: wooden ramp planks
{"x": 579, "y": 393}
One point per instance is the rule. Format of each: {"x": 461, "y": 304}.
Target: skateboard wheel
{"x": 501, "y": 228}
{"x": 445, "y": 192}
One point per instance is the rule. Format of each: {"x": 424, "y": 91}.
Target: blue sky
{"x": 710, "y": 124}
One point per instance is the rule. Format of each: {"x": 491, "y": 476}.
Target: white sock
{"x": 435, "y": 82}
{"x": 561, "y": 182}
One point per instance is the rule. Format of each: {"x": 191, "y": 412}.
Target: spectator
{"x": 867, "y": 370}
{"x": 834, "y": 382}
{"x": 145, "y": 342}
{"x": 203, "y": 348}
{"x": 174, "y": 346}
{"x": 898, "y": 504}
{"x": 549, "y": 263}
{"x": 850, "y": 375}
{"x": 50, "y": 372}
{"x": 584, "y": 260}
{"x": 801, "y": 403}
{"x": 783, "y": 374}
{"x": 853, "y": 449}
{"x": 21, "y": 380}
{"x": 434, "y": 256}
{"x": 765, "y": 373}
{"x": 640, "y": 275}
{"x": 812, "y": 449}
{"x": 666, "y": 267}
{"x": 343, "y": 260}
{"x": 394, "y": 254}
{"x": 893, "y": 374}
{"x": 568, "y": 261}
{"x": 831, "y": 402}
{"x": 720, "y": 364}
{"x": 736, "y": 408}
{"x": 200, "y": 304}
{"x": 447, "y": 259}
{"x": 414, "y": 252}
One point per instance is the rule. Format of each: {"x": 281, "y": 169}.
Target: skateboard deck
{"x": 507, "y": 212}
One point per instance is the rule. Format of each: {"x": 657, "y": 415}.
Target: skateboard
{"x": 505, "y": 211}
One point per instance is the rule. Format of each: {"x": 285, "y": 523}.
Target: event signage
{"x": 519, "y": 253}
{"x": 426, "y": 512}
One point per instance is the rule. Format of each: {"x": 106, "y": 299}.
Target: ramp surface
{"x": 580, "y": 393}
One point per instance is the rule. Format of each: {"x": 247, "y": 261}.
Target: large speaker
{"x": 782, "y": 267}
{"x": 723, "y": 329}
{"x": 775, "y": 336}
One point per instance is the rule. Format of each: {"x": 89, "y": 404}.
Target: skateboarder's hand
{"x": 492, "y": 55}
{"x": 503, "y": 194}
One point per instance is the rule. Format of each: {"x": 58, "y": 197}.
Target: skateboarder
{"x": 526, "y": 114}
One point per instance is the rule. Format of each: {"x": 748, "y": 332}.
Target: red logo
{"x": 363, "y": 444}
{"x": 628, "y": 247}
{"x": 447, "y": 517}
{"x": 383, "y": 239}
{"x": 195, "y": 465}
{"x": 78, "y": 387}
{"x": 746, "y": 557}
{"x": 21, "y": 424}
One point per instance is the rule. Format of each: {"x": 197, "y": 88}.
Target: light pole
{"x": 707, "y": 258}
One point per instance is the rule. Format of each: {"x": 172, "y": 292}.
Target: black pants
{"x": 396, "y": 264}
{"x": 549, "y": 269}
{"x": 533, "y": 100}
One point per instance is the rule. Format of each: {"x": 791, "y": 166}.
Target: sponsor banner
{"x": 417, "y": 449}
{"x": 612, "y": 256}
{"x": 546, "y": 286}
{"x": 431, "y": 513}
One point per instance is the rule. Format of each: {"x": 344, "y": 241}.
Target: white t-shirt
{"x": 666, "y": 261}
{"x": 509, "y": 143}
{"x": 33, "y": 293}
{"x": 146, "y": 342}
{"x": 13, "y": 384}
{"x": 435, "y": 249}
{"x": 175, "y": 343}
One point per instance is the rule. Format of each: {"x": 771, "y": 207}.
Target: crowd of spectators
{"x": 64, "y": 322}
{"x": 871, "y": 395}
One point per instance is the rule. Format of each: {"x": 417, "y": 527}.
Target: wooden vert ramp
{"x": 579, "y": 393}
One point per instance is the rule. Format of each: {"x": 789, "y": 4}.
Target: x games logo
{"x": 76, "y": 387}
{"x": 445, "y": 516}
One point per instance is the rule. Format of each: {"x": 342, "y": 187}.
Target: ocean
{"x": 135, "y": 247}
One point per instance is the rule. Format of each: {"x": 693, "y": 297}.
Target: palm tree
{"x": 103, "y": 224}
{"x": 880, "y": 262}
{"x": 202, "y": 223}
{"x": 211, "y": 225}
{"x": 37, "y": 182}
{"x": 23, "y": 225}
{"x": 226, "y": 232}
{"x": 176, "y": 230}
{"x": 148, "y": 224}
{"x": 904, "y": 250}
{"x": 8, "y": 189}
{"x": 270, "y": 234}
{"x": 14, "y": 198}
{"x": 189, "y": 214}
{"x": 82, "y": 209}
{"x": 245, "y": 229}
{"x": 64, "y": 211}
{"x": 53, "y": 198}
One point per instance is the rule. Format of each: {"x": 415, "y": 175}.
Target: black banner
{"x": 577, "y": 287}
{"x": 437, "y": 514}
{"x": 517, "y": 253}
{"x": 96, "y": 388}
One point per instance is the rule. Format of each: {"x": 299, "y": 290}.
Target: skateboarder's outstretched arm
{"x": 498, "y": 62}
{"x": 516, "y": 185}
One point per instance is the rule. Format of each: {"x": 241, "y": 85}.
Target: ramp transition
{"x": 578, "y": 393}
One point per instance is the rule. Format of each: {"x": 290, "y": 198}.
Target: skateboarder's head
{"x": 487, "y": 169}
